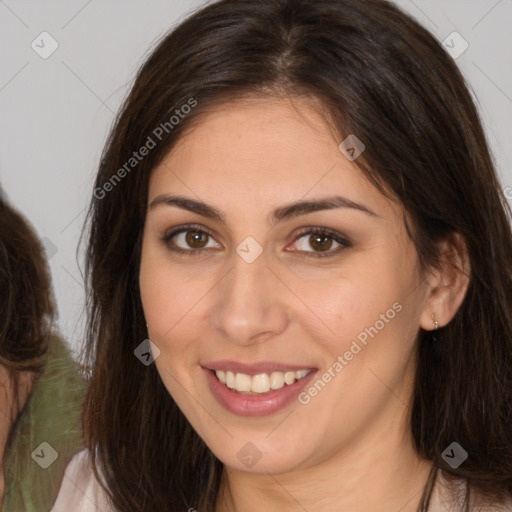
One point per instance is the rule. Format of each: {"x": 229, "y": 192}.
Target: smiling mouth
{"x": 261, "y": 383}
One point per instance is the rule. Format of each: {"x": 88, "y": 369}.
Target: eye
{"x": 191, "y": 240}
{"x": 322, "y": 240}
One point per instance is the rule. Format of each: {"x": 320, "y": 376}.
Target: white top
{"x": 80, "y": 492}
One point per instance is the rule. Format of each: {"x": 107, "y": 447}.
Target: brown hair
{"x": 26, "y": 300}
{"x": 383, "y": 77}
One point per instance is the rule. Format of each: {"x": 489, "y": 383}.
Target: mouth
{"x": 255, "y": 390}
{"x": 260, "y": 383}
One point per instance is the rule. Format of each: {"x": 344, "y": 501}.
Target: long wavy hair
{"x": 379, "y": 75}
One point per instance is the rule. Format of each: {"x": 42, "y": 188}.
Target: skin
{"x": 350, "y": 448}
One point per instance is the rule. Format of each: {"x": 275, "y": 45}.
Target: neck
{"x": 380, "y": 470}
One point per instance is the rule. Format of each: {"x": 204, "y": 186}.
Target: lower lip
{"x": 255, "y": 405}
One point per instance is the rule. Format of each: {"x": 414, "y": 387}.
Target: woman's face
{"x": 283, "y": 269}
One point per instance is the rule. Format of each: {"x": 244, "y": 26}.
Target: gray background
{"x": 56, "y": 112}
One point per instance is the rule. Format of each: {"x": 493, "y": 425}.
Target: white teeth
{"x": 276, "y": 380}
{"x": 260, "y": 383}
{"x": 301, "y": 373}
{"x": 242, "y": 382}
{"x": 230, "y": 380}
{"x": 289, "y": 377}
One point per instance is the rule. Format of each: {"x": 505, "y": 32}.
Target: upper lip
{"x": 254, "y": 368}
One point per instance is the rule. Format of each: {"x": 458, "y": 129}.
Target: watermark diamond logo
{"x": 351, "y": 147}
{"x": 147, "y": 352}
{"x": 49, "y": 247}
{"x": 44, "y": 45}
{"x": 455, "y": 45}
{"x": 249, "y": 249}
{"x": 454, "y": 455}
{"x": 249, "y": 455}
{"x": 45, "y": 455}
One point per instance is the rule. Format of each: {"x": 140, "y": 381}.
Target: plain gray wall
{"x": 56, "y": 111}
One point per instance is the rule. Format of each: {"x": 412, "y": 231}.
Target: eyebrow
{"x": 289, "y": 211}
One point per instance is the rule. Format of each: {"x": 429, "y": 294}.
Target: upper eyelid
{"x": 300, "y": 231}
{"x": 173, "y": 232}
{"x": 183, "y": 229}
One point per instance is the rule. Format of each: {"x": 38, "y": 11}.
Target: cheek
{"x": 155, "y": 300}
{"x": 343, "y": 304}
{"x": 168, "y": 304}
{"x": 368, "y": 316}
{"x": 175, "y": 307}
{"x": 166, "y": 296}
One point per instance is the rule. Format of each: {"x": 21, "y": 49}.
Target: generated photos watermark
{"x": 151, "y": 142}
{"x": 343, "y": 360}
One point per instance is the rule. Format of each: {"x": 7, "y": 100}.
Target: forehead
{"x": 259, "y": 151}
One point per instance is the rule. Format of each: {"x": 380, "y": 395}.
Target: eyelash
{"x": 344, "y": 242}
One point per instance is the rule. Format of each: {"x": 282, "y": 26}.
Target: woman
{"x": 298, "y": 208}
{"x": 41, "y": 390}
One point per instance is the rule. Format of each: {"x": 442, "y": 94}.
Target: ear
{"x": 448, "y": 283}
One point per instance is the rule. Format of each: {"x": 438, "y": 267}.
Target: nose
{"x": 250, "y": 303}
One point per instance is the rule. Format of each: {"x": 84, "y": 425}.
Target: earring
{"x": 436, "y": 327}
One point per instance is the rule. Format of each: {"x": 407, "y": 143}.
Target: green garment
{"x": 52, "y": 414}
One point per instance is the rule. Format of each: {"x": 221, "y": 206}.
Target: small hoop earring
{"x": 436, "y": 324}
{"x": 436, "y": 327}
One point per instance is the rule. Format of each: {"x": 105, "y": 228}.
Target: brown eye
{"x": 320, "y": 242}
{"x": 189, "y": 240}
{"x": 196, "y": 239}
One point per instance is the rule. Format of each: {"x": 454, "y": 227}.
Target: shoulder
{"x": 80, "y": 491}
